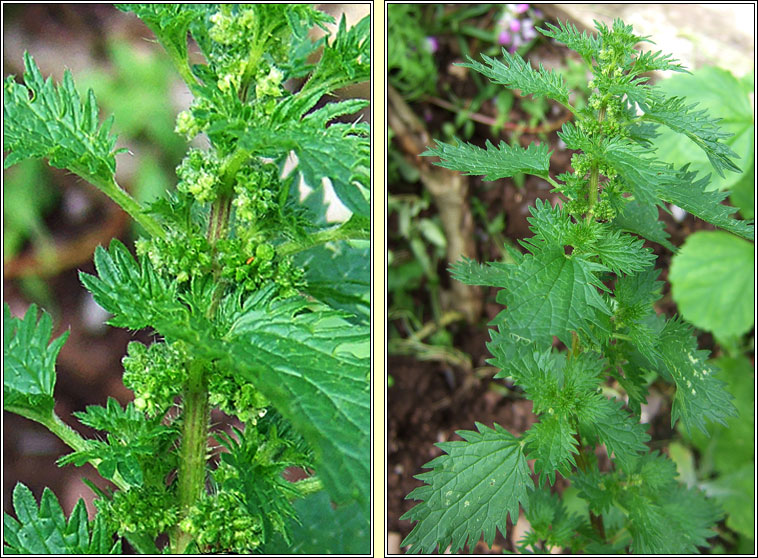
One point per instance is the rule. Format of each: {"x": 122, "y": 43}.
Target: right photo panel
{"x": 570, "y": 279}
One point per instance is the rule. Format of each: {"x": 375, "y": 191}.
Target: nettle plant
{"x": 588, "y": 284}
{"x": 259, "y": 305}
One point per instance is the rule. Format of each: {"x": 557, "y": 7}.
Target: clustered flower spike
{"x": 198, "y": 175}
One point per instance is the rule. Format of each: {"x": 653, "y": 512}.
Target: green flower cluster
{"x": 155, "y": 374}
{"x": 222, "y": 523}
{"x": 198, "y": 175}
{"x": 236, "y": 396}
{"x": 144, "y": 511}
{"x": 177, "y": 255}
{"x": 252, "y": 268}
{"x": 255, "y": 193}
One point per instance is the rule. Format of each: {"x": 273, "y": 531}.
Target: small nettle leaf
{"x": 132, "y": 439}
{"x": 623, "y": 435}
{"x": 551, "y": 523}
{"x": 493, "y": 162}
{"x": 621, "y": 253}
{"x": 587, "y": 45}
{"x": 469, "y": 492}
{"x": 29, "y": 361}
{"x": 42, "y": 119}
{"x": 552, "y": 445}
{"x": 491, "y": 274}
{"x": 668, "y": 519}
{"x": 346, "y": 58}
{"x": 700, "y": 397}
{"x": 516, "y": 73}
{"x": 132, "y": 292}
{"x": 642, "y": 219}
{"x": 683, "y": 190}
{"x": 45, "y": 529}
{"x": 650, "y": 61}
{"x": 597, "y": 488}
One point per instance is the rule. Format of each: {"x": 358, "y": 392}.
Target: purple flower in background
{"x": 520, "y": 8}
{"x": 432, "y": 44}
{"x": 515, "y": 25}
{"x": 504, "y": 37}
{"x": 527, "y": 31}
{"x": 517, "y": 42}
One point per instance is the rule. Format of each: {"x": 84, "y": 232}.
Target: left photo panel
{"x": 187, "y": 278}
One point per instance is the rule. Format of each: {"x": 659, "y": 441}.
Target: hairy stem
{"x": 111, "y": 189}
{"x": 193, "y": 450}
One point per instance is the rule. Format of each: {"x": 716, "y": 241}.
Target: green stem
{"x": 322, "y": 237}
{"x": 594, "y": 174}
{"x": 68, "y": 435}
{"x": 193, "y": 450}
{"x": 552, "y": 182}
{"x": 111, "y": 189}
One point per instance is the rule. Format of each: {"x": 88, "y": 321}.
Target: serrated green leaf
{"x": 492, "y": 274}
{"x": 54, "y": 122}
{"x": 339, "y": 274}
{"x": 597, "y": 488}
{"x": 493, "y": 162}
{"x": 713, "y": 282}
{"x": 636, "y": 167}
{"x": 318, "y": 383}
{"x": 516, "y": 73}
{"x": 683, "y": 190}
{"x": 724, "y": 96}
{"x": 132, "y": 438}
{"x": 346, "y": 59}
{"x": 642, "y": 219}
{"x": 552, "y": 445}
{"x": 585, "y": 44}
{"x": 675, "y": 521}
{"x": 697, "y": 126}
{"x": 470, "y": 491}
{"x": 621, "y": 253}
{"x": 551, "y": 523}
{"x": 29, "y": 362}
{"x": 339, "y": 153}
{"x": 134, "y": 294}
{"x": 700, "y": 397}
{"x": 551, "y": 293}
{"x": 324, "y": 530}
{"x": 624, "y": 437}
{"x": 45, "y": 530}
